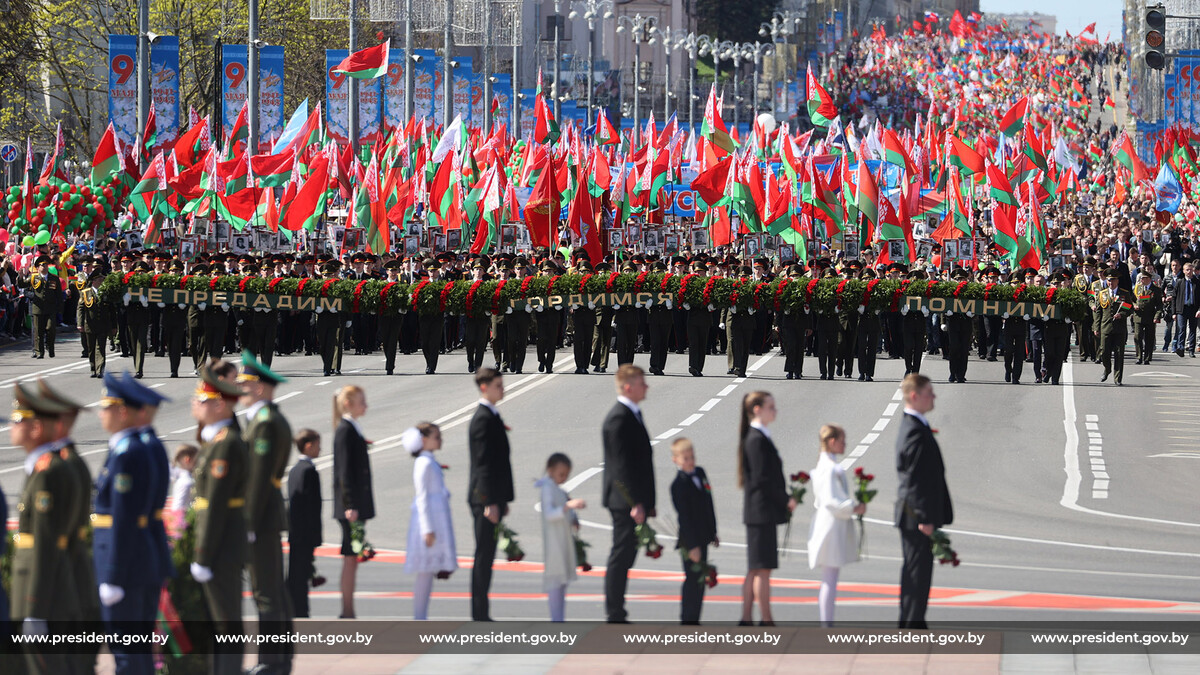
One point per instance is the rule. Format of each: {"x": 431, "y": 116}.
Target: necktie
{"x": 1187, "y": 295}
{"x": 641, "y": 421}
{"x": 695, "y": 479}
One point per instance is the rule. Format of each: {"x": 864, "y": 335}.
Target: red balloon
{"x": 108, "y": 192}
{"x": 40, "y": 213}
{"x": 85, "y": 191}
{"x": 53, "y": 189}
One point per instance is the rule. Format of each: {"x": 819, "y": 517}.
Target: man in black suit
{"x": 1186, "y": 299}
{"x": 628, "y": 482}
{"x": 304, "y": 519}
{"x": 692, "y": 497}
{"x": 491, "y": 484}
{"x": 922, "y": 499}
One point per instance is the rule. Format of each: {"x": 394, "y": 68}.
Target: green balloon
{"x": 28, "y": 240}
{"x": 42, "y": 237}
{"x": 14, "y": 190}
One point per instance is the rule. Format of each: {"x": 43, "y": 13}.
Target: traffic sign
{"x": 8, "y": 153}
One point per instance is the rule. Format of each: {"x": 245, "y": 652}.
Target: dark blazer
{"x": 1178, "y": 295}
{"x": 304, "y": 505}
{"x": 764, "y": 494}
{"x": 627, "y": 461}
{"x": 697, "y": 519}
{"x": 491, "y": 467}
{"x": 351, "y": 474}
{"x": 922, "y": 495}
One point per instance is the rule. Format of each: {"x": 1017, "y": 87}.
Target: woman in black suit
{"x": 353, "y": 498}
{"x": 765, "y": 502}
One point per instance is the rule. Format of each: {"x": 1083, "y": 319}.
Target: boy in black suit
{"x": 304, "y": 519}
{"x": 692, "y": 497}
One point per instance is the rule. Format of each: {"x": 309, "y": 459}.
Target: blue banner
{"x": 503, "y": 93}
{"x": 1170, "y": 105}
{"x": 270, "y": 95}
{"x": 427, "y": 76}
{"x": 233, "y": 85}
{"x": 528, "y": 120}
{"x": 370, "y": 109}
{"x": 680, "y": 200}
{"x": 164, "y": 87}
{"x": 463, "y": 77}
{"x": 122, "y": 87}
{"x": 479, "y": 107}
{"x": 393, "y": 91}
{"x": 337, "y": 97}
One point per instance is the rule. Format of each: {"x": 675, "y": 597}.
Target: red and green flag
{"x": 868, "y": 194}
{"x": 1014, "y": 120}
{"x": 107, "y": 160}
{"x": 820, "y": 104}
{"x": 964, "y": 157}
{"x": 366, "y": 64}
{"x": 308, "y": 207}
{"x": 998, "y": 185}
{"x": 713, "y": 129}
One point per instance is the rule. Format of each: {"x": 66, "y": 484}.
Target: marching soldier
{"x": 1086, "y": 282}
{"x": 431, "y": 326}
{"x": 1146, "y": 313}
{"x": 475, "y": 334}
{"x": 958, "y": 334}
{"x": 699, "y": 324}
{"x": 913, "y": 333}
{"x": 627, "y": 325}
{"x": 96, "y": 320}
{"x": 516, "y": 326}
{"x": 269, "y": 438}
{"x": 75, "y": 288}
{"x": 45, "y": 302}
{"x": 500, "y": 322}
{"x": 197, "y": 344}
{"x": 137, "y": 317}
{"x": 848, "y": 331}
{"x": 793, "y": 329}
{"x": 264, "y": 326}
{"x": 740, "y": 328}
{"x": 390, "y": 321}
{"x": 549, "y": 321}
{"x": 329, "y": 329}
{"x": 603, "y": 330}
{"x": 1113, "y": 307}
{"x": 43, "y": 583}
{"x": 126, "y": 558}
{"x": 221, "y": 477}
{"x": 661, "y": 318}
{"x": 583, "y": 322}
{"x": 158, "y": 339}
{"x": 1058, "y": 335}
{"x": 828, "y": 329}
{"x": 215, "y": 321}
{"x": 174, "y": 326}
{"x": 867, "y": 332}
{"x": 1016, "y": 330}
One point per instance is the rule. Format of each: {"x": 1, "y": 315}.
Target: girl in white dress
{"x": 559, "y": 525}
{"x": 832, "y": 541}
{"x": 430, "y": 549}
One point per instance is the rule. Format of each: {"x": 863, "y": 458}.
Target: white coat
{"x": 558, "y": 535}
{"x": 430, "y": 513}
{"x": 832, "y": 539}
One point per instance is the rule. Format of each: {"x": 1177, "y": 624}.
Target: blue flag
{"x": 1168, "y": 191}
{"x": 294, "y": 125}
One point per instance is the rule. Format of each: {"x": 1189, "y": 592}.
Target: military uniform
{"x": 220, "y": 489}
{"x": 583, "y": 322}
{"x": 1146, "y": 311}
{"x": 602, "y": 334}
{"x": 45, "y": 302}
{"x": 1057, "y": 333}
{"x": 1016, "y": 330}
{"x": 96, "y": 320}
{"x": 627, "y": 319}
{"x": 1088, "y": 349}
{"x": 269, "y": 437}
{"x": 329, "y": 331}
{"x": 1112, "y": 310}
{"x": 661, "y": 319}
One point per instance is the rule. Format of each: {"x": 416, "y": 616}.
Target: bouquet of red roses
{"x": 358, "y": 541}
{"x": 581, "y": 560}
{"x": 317, "y": 580}
{"x": 796, "y": 491}
{"x": 708, "y": 573}
{"x": 647, "y": 539}
{"x": 864, "y": 494}
{"x": 506, "y": 540}
{"x": 942, "y": 552}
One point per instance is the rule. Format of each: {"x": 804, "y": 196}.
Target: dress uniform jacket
{"x": 221, "y": 476}
{"x": 95, "y": 320}
{"x": 42, "y": 580}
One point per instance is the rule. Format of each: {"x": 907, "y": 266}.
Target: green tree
{"x": 738, "y": 21}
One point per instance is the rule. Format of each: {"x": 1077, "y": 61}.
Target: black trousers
{"x": 44, "y": 326}
{"x": 547, "y": 334}
{"x": 848, "y": 344}
{"x": 1113, "y": 354}
{"x": 827, "y": 345}
{"x": 916, "y": 576}
{"x": 481, "y": 570}
{"x": 620, "y": 559}
{"x": 692, "y": 594}
{"x": 868, "y": 344}
{"x": 475, "y": 339}
{"x": 517, "y": 327}
{"x": 583, "y": 320}
{"x": 660, "y": 331}
{"x": 1037, "y": 351}
{"x": 698, "y": 325}
{"x": 627, "y": 332}
{"x": 958, "y": 343}
{"x": 300, "y": 571}
{"x": 1014, "y": 355}
{"x": 431, "y": 339}
{"x": 389, "y": 329}
{"x": 792, "y": 337}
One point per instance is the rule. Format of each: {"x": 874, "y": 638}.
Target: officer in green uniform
{"x": 79, "y": 549}
{"x": 329, "y": 329}
{"x": 603, "y": 330}
{"x": 867, "y": 334}
{"x": 43, "y": 580}
{"x": 1087, "y": 281}
{"x": 221, "y": 476}
{"x": 548, "y": 320}
{"x": 516, "y": 327}
{"x": 87, "y": 264}
{"x": 45, "y": 302}
{"x": 1147, "y": 311}
{"x": 96, "y": 320}
{"x": 174, "y": 325}
{"x": 958, "y": 327}
{"x": 390, "y": 321}
{"x": 1113, "y": 307}
{"x": 197, "y": 345}
{"x": 137, "y": 315}
{"x": 627, "y": 318}
{"x": 269, "y": 437}
{"x": 500, "y": 321}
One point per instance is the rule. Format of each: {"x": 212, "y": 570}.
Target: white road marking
{"x": 762, "y": 361}
{"x": 890, "y": 409}
{"x": 1070, "y": 496}
{"x": 712, "y": 403}
{"x": 322, "y": 383}
{"x": 668, "y": 433}
{"x": 739, "y": 380}
{"x": 898, "y": 396}
{"x": 870, "y": 438}
{"x": 156, "y": 386}
{"x": 278, "y": 399}
{"x": 580, "y": 478}
{"x": 1093, "y": 418}
{"x": 52, "y": 371}
{"x": 691, "y": 420}
{"x": 880, "y": 424}
{"x": 727, "y": 390}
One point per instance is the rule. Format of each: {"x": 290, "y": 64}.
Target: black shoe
{"x": 789, "y": 376}
{"x": 952, "y": 379}
{"x": 429, "y": 371}
{"x": 138, "y": 376}
{"x": 389, "y": 371}
{"x": 581, "y": 371}
{"x": 35, "y": 356}
{"x": 1119, "y": 383}
{"x": 541, "y": 368}
{"x": 766, "y": 623}
{"x": 93, "y": 375}
{"x": 823, "y": 376}
{"x": 1105, "y": 377}
{"x": 596, "y": 369}
{"x": 870, "y": 379}
{"x": 1008, "y": 377}
{"x": 729, "y": 372}
{"x": 550, "y": 369}
{"x": 174, "y": 373}
{"x": 337, "y": 372}
{"x": 497, "y": 366}
{"x": 1016, "y": 381}
{"x": 839, "y": 371}
{"x": 739, "y": 373}
{"x": 743, "y": 622}
{"x": 1054, "y": 381}
{"x": 517, "y": 371}
{"x": 1038, "y": 379}
{"x": 862, "y": 377}
{"x": 991, "y": 358}
{"x": 328, "y": 373}
{"x": 470, "y": 369}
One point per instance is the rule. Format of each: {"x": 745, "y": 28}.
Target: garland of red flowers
{"x": 471, "y": 294}
{"x": 496, "y": 296}
{"x": 898, "y": 292}
{"x": 127, "y": 277}
{"x": 300, "y": 286}
{"x": 444, "y": 296}
{"x": 583, "y": 281}
{"x": 929, "y": 289}
{"x": 987, "y": 290}
{"x": 733, "y": 297}
{"x": 959, "y": 288}
{"x": 1050, "y": 294}
{"x": 154, "y": 281}
{"x": 706, "y": 297}
{"x": 242, "y": 285}
{"x": 416, "y": 292}
{"x": 866, "y": 299}
{"x": 641, "y": 279}
{"x": 809, "y": 289}
{"x": 525, "y": 286}
{"x": 1017, "y": 292}
{"x": 612, "y": 279}
{"x": 757, "y": 290}
{"x": 326, "y": 286}
{"x": 779, "y": 292}
{"x": 184, "y": 279}
{"x": 358, "y": 289}
{"x": 383, "y": 293}
{"x": 841, "y": 287}
{"x": 666, "y": 278}
{"x": 273, "y": 283}
{"x": 683, "y": 285}
{"x": 550, "y": 286}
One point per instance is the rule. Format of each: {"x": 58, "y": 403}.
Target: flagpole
{"x": 252, "y": 83}
{"x": 351, "y": 82}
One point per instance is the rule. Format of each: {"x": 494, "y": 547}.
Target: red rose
{"x": 586, "y": 567}
{"x": 858, "y": 472}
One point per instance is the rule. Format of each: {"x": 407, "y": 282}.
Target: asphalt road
{"x": 1071, "y": 502}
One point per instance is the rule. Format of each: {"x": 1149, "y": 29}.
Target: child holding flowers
{"x": 831, "y": 538}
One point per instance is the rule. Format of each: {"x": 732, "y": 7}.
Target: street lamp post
{"x": 782, "y": 25}
{"x": 641, "y": 29}
{"x": 755, "y": 51}
{"x": 592, "y": 9}
{"x": 703, "y": 45}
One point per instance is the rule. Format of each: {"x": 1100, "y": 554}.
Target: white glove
{"x": 32, "y": 626}
{"x": 201, "y": 573}
{"x": 111, "y": 595}
{"x": 349, "y": 323}
{"x": 250, "y": 537}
